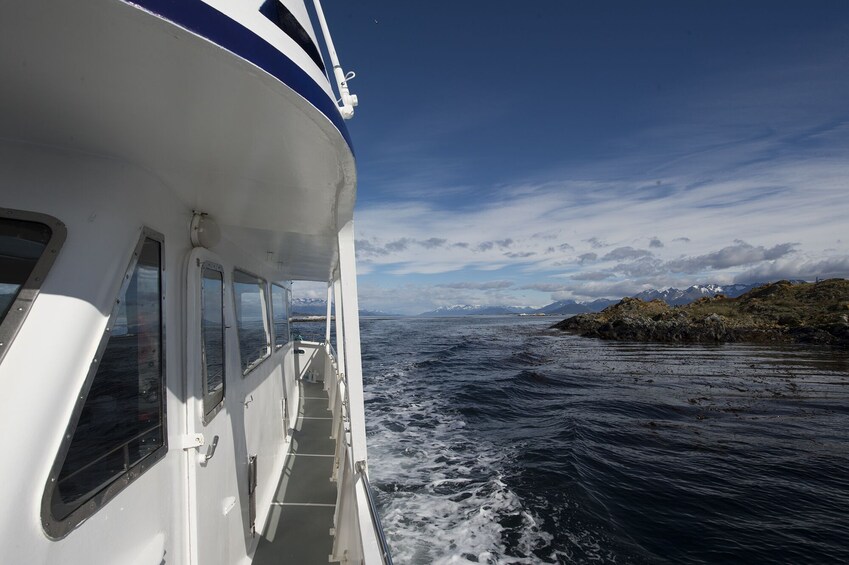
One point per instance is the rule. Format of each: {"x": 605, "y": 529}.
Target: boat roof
{"x": 237, "y": 131}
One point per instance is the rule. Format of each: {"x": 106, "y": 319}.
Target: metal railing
{"x": 375, "y": 516}
{"x": 346, "y": 473}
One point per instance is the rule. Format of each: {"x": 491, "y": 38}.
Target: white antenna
{"x": 349, "y": 101}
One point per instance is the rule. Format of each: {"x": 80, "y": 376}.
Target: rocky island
{"x": 777, "y": 312}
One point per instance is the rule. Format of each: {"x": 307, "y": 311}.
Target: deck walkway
{"x": 298, "y": 528}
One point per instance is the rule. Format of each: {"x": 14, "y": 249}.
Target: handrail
{"x": 341, "y": 401}
{"x": 385, "y": 554}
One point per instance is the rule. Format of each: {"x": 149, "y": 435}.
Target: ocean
{"x": 498, "y": 440}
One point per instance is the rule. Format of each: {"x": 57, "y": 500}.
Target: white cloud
{"x": 309, "y": 289}
{"x": 489, "y": 285}
{"x": 833, "y": 267}
{"x": 627, "y": 252}
{"x": 415, "y": 298}
{"x": 593, "y": 289}
{"x": 591, "y": 276}
{"x": 739, "y": 181}
{"x": 741, "y": 253}
{"x": 810, "y": 207}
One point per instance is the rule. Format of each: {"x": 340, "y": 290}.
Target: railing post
{"x": 351, "y": 325}
{"x": 339, "y": 323}
{"x": 332, "y": 390}
{"x": 335, "y": 411}
{"x": 328, "y": 363}
{"x": 341, "y": 442}
{"x": 347, "y": 547}
{"x": 329, "y": 312}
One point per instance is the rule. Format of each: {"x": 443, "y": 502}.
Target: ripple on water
{"x": 498, "y": 441}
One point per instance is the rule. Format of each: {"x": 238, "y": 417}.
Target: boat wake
{"x": 446, "y": 500}
{"x": 497, "y": 441}
{"x": 442, "y": 489}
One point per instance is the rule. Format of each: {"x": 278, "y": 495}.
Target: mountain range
{"x": 672, "y": 296}
{"x": 318, "y": 307}
{"x": 475, "y": 310}
{"x": 309, "y": 307}
{"x": 676, "y": 297}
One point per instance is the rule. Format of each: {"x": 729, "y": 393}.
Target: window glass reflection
{"x": 121, "y": 421}
{"x": 280, "y": 313}
{"x": 21, "y": 246}
{"x": 212, "y": 332}
{"x": 251, "y": 322}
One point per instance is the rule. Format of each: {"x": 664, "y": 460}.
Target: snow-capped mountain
{"x": 309, "y": 307}
{"x": 672, "y": 296}
{"x": 476, "y": 310}
{"x": 318, "y": 307}
{"x": 376, "y": 314}
{"x": 678, "y": 297}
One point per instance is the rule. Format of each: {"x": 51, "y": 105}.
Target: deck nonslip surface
{"x": 298, "y": 528}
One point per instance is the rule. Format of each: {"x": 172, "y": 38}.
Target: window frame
{"x": 23, "y": 302}
{"x": 55, "y": 528}
{"x": 286, "y": 301}
{"x": 269, "y": 344}
{"x": 207, "y": 417}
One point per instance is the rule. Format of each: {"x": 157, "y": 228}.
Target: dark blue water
{"x": 496, "y": 440}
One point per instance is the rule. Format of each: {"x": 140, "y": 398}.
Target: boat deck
{"x": 298, "y": 527}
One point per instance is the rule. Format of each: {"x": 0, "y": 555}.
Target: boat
{"x": 168, "y": 168}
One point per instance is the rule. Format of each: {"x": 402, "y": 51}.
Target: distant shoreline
{"x": 309, "y": 318}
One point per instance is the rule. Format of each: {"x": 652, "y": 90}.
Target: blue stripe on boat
{"x": 208, "y": 22}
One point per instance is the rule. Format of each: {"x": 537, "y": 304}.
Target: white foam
{"x": 446, "y": 498}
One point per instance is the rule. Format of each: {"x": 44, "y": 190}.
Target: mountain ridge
{"x": 476, "y": 310}
{"x": 318, "y": 307}
{"x": 672, "y": 296}
{"x": 680, "y": 297}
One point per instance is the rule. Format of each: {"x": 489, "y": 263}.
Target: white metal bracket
{"x": 192, "y": 441}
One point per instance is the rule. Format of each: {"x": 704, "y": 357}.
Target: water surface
{"x": 496, "y": 440}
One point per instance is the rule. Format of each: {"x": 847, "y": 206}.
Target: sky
{"x": 522, "y": 153}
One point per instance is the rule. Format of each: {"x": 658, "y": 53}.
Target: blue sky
{"x": 524, "y": 153}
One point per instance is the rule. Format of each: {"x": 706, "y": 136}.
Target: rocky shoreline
{"x": 816, "y": 313}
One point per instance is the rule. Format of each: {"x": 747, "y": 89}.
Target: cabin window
{"x": 280, "y": 16}
{"x": 251, "y": 319}
{"x": 212, "y": 334}
{"x": 29, "y": 244}
{"x": 280, "y": 314}
{"x": 118, "y": 431}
